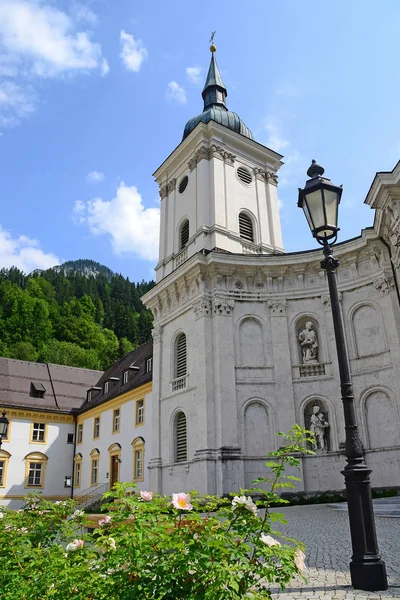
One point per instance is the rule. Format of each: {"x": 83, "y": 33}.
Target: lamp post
{"x": 320, "y": 201}
{"x": 3, "y": 427}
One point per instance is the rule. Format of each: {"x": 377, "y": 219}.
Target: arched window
{"x": 138, "y": 459}
{"x": 180, "y": 437}
{"x": 77, "y": 470}
{"x": 246, "y": 227}
{"x": 180, "y": 356}
{"x": 184, "y": 234}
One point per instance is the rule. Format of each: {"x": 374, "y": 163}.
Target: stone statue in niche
{"x": 309, "y": 344}
{"x": 318, "y": 426}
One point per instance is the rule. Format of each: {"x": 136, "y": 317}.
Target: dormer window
{"x": 89, "y": 396}
{"x": 105, "y": 387}
{"x": 37, "y": 390}
{"x": 149, "y": 364}
{"x": 125, "y": 377}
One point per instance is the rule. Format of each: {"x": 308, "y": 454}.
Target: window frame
{"x": 185, "y": 224}
{"x": 106, "y": 388}
{"x": 45, "y": 425}
{"x": 114, "y": 417}
{"x": 177, "y": 374}
{"x": 138, "y": 446}
{"x": 35, "y": 458}
{"x": 94, "y": 466}
{"x": 139, "y": 410}
{"x": 79, "y": 433}
{"x": 96, "y": 427}
{"x": 5, "y": 459}
{"x": 149, "y": 362}
{"x": 77, "y": 470}
{"x": 125, "y": 377}
{"x": 246, "y": 215}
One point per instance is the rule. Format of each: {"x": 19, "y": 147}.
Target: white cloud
{"x": 95, "y": 177}
{"x": 24, "y": 253}
{"x": 81, "y": 12}
{"x": 194, "y": 74}
{"x": 131, "y": 227}
{"x": 39, "y": 41}
{"x": 275, "y": 140}
{"x": 16, "y": 102}
{"x": 105, "y": 67}
{"x": 175, "y": 92}
{"x": 133, "y": 52}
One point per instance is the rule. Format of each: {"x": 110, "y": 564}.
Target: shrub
{"x": 153, "y": 547}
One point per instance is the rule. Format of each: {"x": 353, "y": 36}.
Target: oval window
{"x": 183, "y": 184}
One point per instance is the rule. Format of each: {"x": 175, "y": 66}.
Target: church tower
{"x": 218, "y": 187}
{"x": 219, "y": 210}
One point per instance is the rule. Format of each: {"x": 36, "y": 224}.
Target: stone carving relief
{"x": 384, "y": 284}
{"x": 166, "y": 189}
{"x": 316, "y": 420}
{"x": 172, "y": 186}
{"x": 203, "y": 153}
{"x": 163, "y": 191}
{"x": 223, "y": 306}
{"x": 277, "y": 307}
{"x": 202, "y": 308}
{"x": 267, "y": 176}
{"x": 308, "y": 339}
{"x": 219, "y": 152}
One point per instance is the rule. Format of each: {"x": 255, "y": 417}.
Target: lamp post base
{"x": 369, "y": 576}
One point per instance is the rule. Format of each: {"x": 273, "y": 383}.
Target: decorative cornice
{"x": 223, "y": 306}
{"x": 277, "y": 307}
{"x": 203, "y": 153}
{"x": 266, "y": 176}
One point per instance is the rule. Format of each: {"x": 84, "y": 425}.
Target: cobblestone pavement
{"x": 325, "y": 532}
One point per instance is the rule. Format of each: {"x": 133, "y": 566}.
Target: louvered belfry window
{"x": 184, "y": 234}
{"x": 180, "y": 437}
{"x": 246, "y": 227}
{"x": 181, "y": 356}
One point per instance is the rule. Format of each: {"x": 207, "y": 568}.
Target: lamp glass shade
{"x": 315, "y": 206}
{"x": 3, "y": 425}
{"x": 320, "y": 205}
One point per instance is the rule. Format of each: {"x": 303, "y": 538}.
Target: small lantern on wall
{"x": 3, "y": 427}
{"x": 68, "y": 481}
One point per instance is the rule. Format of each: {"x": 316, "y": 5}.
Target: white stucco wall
{"x": 58, "y": 452}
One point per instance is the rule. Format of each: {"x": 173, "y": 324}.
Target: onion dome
{"x": 214, "y": 96}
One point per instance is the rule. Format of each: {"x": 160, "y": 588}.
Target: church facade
{"x": 243, "y": 334}
{"x": 243, "y": 343}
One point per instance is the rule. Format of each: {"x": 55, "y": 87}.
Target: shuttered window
{"x": 180, "y": 437}
{"x": 184, "y": 234}
{"x": 181, "y": 356}
{"x": 246, "y": 227}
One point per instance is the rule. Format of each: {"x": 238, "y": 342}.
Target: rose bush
{"x": 153, "y": 547}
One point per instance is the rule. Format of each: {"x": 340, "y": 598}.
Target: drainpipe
{"x": 384, "y": 242}
{"x": 73, "y": 461}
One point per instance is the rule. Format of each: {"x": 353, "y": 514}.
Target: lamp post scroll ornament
{"x": 320, "y": 201}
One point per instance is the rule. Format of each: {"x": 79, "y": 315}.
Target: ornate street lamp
{"x": 3, "y": 427}
{"x": 320, "y": 201}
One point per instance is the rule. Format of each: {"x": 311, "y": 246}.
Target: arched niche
{"x": 318, "y": 420}
{"x": 367, "y": 330}
{"x": 251, "y": 343}
{"x": 381, "y": 420}
{"x": 257, "y": 429}
{"x": 308, "y": 341}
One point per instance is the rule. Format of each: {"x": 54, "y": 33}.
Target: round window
{"x": 244, "y": 175}
{"x": 183, "y": 184}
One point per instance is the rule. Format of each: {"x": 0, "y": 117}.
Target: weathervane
{"x": 212, "y": 47}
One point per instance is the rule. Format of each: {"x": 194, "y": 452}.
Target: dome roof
{"x": 214, "y": 95}
{"x": 223, "y": 117}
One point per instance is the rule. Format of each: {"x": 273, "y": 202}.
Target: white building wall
{"x": 58, "y": 452}
{"x": 129, "y": 431}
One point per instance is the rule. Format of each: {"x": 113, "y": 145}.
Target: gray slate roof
{"x": 137, "y": 376}
{"x": 66, "y": 387}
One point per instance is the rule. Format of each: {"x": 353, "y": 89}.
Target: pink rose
{"x": 146, "y": 496}
{"x": 181, "y": 501}
{"x": 105, "y": 521}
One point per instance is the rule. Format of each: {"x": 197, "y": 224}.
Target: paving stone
{"x": 326, "y": 535}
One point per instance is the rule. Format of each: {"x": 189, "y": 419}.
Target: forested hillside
{"x": 83, "y": 317}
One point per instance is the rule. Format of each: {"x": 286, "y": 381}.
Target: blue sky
{"x": 94, "y": 96}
